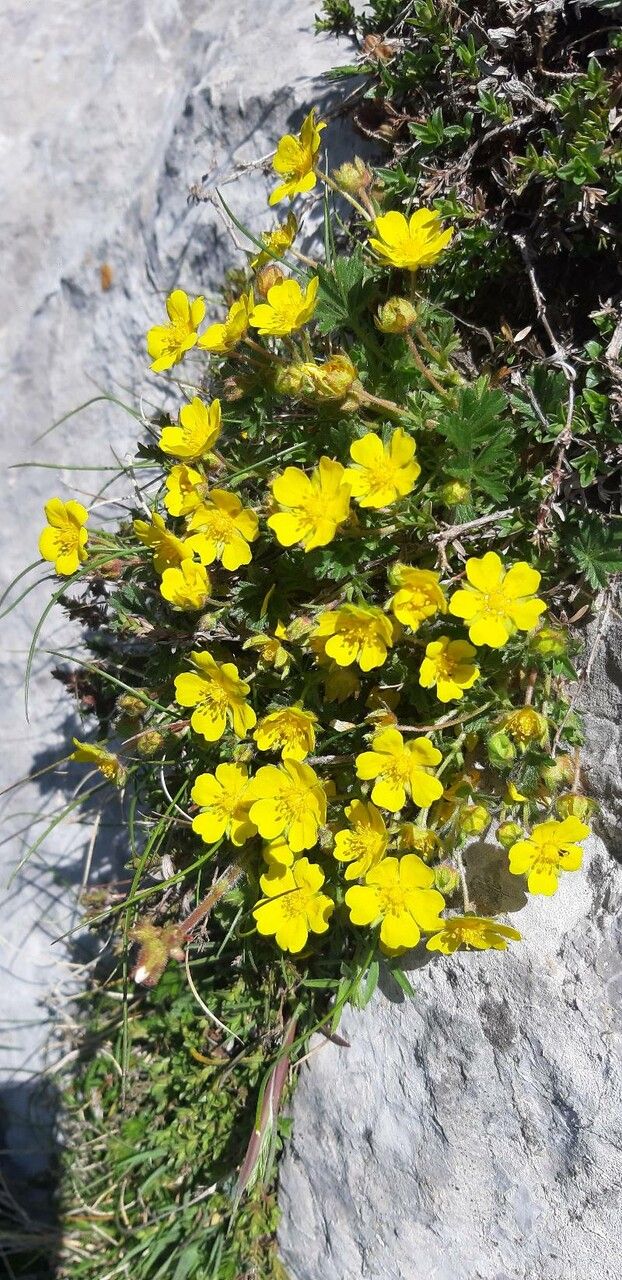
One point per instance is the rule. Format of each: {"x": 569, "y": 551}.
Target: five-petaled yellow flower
{"x": 63, "y": 541}
{"x": 419, "y": 595}
{"x": 472, "y": 931}
{"x": 277, "y": 242}
{"x": 401, "y": 769}
{"x": 359, "y": 633}
{"x": 222, "y": 338}
{"x": 197, "y": 433}
{"x": 496, "y": 603}
{"x": 294, "y": 905}
{"x": 183, "y": 490}
{"x": 295, "y": 160}
{"x": 168, "y": 549}
{"x": 383, "y": 473}
{"x": 105, "y": 761}
{"x": 412, "y": 242}
{"x": 224, "y": 530}
{"x": 550, "y": 849}
{"x": 290, "y": 730}
{"x": 397, "y": 892}
{"x": 525, "y": 725}
{"x": 313, "y": 506}
{"x": 186, "y": 586}
{"x": 224, "y": 800}
{"x": 167, "y": 343}
{"x": 365, "y": 843}
{"x": 286, "y": 309}
{"x": 288, "y": 801}
{"x": 218, "y": 696}
{"x": 448, "y": 666}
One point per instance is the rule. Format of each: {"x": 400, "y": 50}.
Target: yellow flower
{"x": 448, "y": 665}
{"x": 400, "y": 769}
{"x": 525, "y": 726}
{"x": 277, "y": 242}
{"x": 183, "y": 490}
{"x": 410, "y": 243}
{"x": 293, "y": 905}
{"x": 225, "y": 529}
{"x": 220, "y": 339}
{"x": 288, "y": 801}
{"x": 496, "y": 603}
{"x": 419, "y": 596}
{"x": 271, "y": 652}
{"x": 197, "y": 433}
{"x": 472, "y": 931}
{"x": 218, "y": 695}
{"x": 295, "y": 160}
{"x": 186, "y": 587}
{"x": 286, "y": 308}
{"x": 514, "y": 796}
{"x": 399, "y": 893}
{"x": 365, "y": 843}
{"x": 167, "y": 343}
{"x": 383, "y": 473}
{"x": 169, "y": 550}
{"x": 63, "y": 541}
{"x": 105, "y": 761}
{"x": 224, "y": 799}
{"x": 313, "y": 506}
{"x": 549, "y": 849}
{"x": 290, "y": 729}
{"x": 356, "y": 633}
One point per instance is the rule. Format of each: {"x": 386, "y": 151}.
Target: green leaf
{"x": 339, "y": 292}
{"x": 597, "y": 550}
{"x": 481, "y": 440}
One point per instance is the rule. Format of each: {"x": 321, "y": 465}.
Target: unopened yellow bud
{"x": 575, "y": 806}
{"x": 149, "y": 743}
{"x": 268, "y": 276}
{"x": 549, "y": 642}
{"x": 397, "y": 315}
{"x": 353, "y": 176}
{"x": 508, "y": 833}
{"x": 131, "y": 706}
{"x": 560, "y": 772}
{"x": 473, "y": 819}
{"x": 446, "y": 879}
{"x": 501, "y": 749}
{"x": 454, "y": 492}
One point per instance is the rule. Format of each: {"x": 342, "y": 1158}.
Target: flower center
{"x": 382, "y": 476}
{"x": 496, "y": 604}
{"x": 296, "y": 902}
{"x": 391, "y": 900}
{"x": 220, "y": 526}
{"x": 548, "y": 855}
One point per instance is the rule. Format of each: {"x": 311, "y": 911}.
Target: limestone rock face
{"x": 474, "y": 1133}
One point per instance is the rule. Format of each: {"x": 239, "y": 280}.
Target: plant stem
{"x": 427, "y": 373}
{"x": 345, "y": 195}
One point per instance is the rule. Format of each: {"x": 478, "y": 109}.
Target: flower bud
{"x": 559, "y": 772}
{"x": 353, "y": 177}
{"x": 149, "y": 743}
{"x": 508, "y": 833}
{"x": 268, "y": 276}
{"x": 397, "y": 315}
{"x": 418, "y": 840}
{"x": 290, "y": 379}
{"x": 131, "y": 706}
{"x": 454, "y": 492}
{"x": 473, "y": 819}
{"x": 446, "y": 879}
{"x": 575, "y": 806}
{"x": 525, "y": 726}
{"x": 111, "y": 570}
{"x": 549, "y": 642}
{"x": 501, "y": 749}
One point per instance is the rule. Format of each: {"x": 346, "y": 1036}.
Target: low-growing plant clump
{"x": 330, "y": 648}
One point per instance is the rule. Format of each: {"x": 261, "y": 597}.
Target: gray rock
{"x": 474, "y": 1133}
